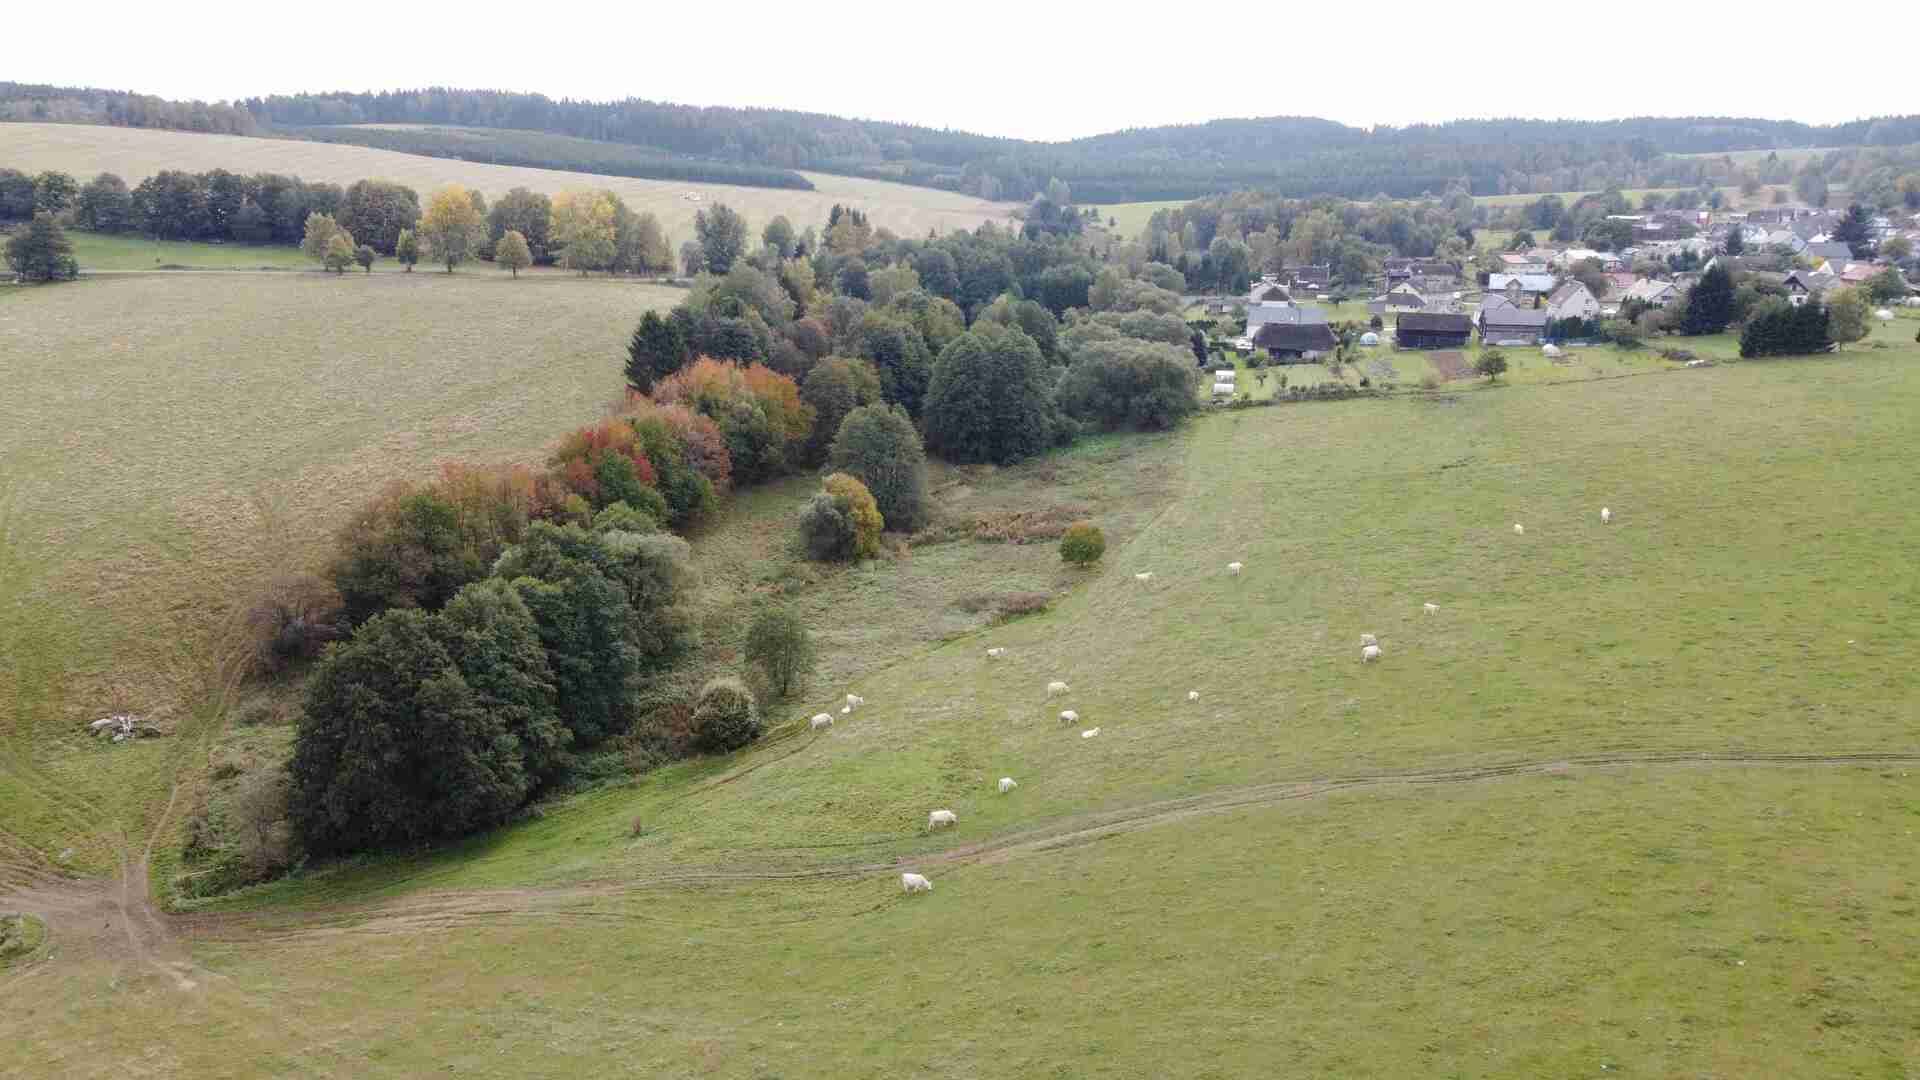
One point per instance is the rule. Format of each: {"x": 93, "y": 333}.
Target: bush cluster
{"x": 428, "y": 725}
{"x": 841, "y": 523}
{"x": 1781, "y": 329}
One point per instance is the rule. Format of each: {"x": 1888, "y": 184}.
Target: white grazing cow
{"x": 1368, "y": 639}
{"x": 913, "y": 883}
{"x": 1430, "y": 608}
{"x": 1369, "y": 654}
{"x": 1090, "y": 733}
{"x": 819, "y": 721}
{"x": 1069, "y": 717}
{"x": 942, "y": 817}
{"x": 1519, "y": 529}
{"x": 1056, "y": 687}
{"x": 995, "y": 654}
{"x": 855, "y": 702}
{"x": 1193, "y": 695}
{"x": 1234, "y": 568}
{"x": 1606, "y": 516}
{"x": 1007, "y": 784}
{"x": 1148, "y": 576}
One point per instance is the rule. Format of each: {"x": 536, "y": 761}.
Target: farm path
{"x": 440, "y": 910}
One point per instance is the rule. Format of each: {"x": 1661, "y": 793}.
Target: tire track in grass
{"x": 450, "y": 910}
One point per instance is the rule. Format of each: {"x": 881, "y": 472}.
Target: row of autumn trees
{"x": 588, "y": 230}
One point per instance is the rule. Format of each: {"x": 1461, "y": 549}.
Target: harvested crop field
{"x": 134, "y": 154}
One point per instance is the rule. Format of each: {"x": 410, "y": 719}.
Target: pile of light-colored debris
{"x": 122, "y": 726}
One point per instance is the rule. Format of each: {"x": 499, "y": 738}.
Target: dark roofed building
{"x": 1311, "y": 278}
{"x": 1291, "y": 342}
{"x": 1432, "y": 330}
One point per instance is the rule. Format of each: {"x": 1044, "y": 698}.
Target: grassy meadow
{"x": 163, "y": 454}
{"x": 1131, "y": 218}
{"x": 134, "y": 154}
{"x": 101, "y": 251}
{"x": 1550, "y": 833}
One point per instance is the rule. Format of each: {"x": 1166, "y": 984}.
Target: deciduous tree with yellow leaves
{"x": 452, "y": 228}
{"x": 585, "y": 229}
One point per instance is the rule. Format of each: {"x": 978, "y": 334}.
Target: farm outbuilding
{"x": 1432, "y": 330}
{"x": 1290, "y": 344}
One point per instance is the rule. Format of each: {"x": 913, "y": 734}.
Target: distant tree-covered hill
{"x": 544, "y": 150}
{"x": 1297, "y": 155}
{"x": 32, "y": 103}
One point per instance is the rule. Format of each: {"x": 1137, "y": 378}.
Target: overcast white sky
{"x": 1032, "y": 70}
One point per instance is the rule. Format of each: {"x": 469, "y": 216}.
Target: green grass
{"x": 1191, "y": 893}
{"x": 99, "y": 251}
{"x": 22, "y": 936}
{"x": 174, "y": 439}
{"x": 1657, "y": 633}
{"x": 1132, "y": 218}
{"x": 1673, "y": 923}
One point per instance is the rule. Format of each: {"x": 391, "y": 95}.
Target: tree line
{"x": 585, "y": 230}
{"x": 1294, "y": 154}
{"x": 542, "y": 150}
{"x": 34, "y": 103}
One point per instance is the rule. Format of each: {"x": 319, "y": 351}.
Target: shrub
{"x": 299, "y": 614}
{"x": 1492, "y": 364}
{"x": 685, "y": 447}
{"x": 1083, "y": 543}
{"x": 778, "y": 642}
{"x": 395, "y": 748}
{"x": 989, "y": 399}
{"x": 841, "y": 523}
{"x": 646, "y": 517}
{"x": 604, "y": 463}
{"x": 414, "y": 547}
{"x": 1134, "y": 384}
{"x": 759, "y": 412}
{"x": 725, "y": 717}
{"x": 879, "y": 446}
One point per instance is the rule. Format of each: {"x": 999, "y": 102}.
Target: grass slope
{"x": 1180, "y": 896}
{"x": 134, "y": 154}
{"x": 162, "y": 454}
{"x": 100, "y": 251}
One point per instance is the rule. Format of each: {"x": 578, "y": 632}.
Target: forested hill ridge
{"x": 1296, "y": 156}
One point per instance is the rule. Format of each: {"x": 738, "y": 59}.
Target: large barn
{"x": 1432, "y": 330}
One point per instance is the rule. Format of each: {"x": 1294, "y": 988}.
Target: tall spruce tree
{"x": 1710, "y": 304}
{"x": 658, "y": 349}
